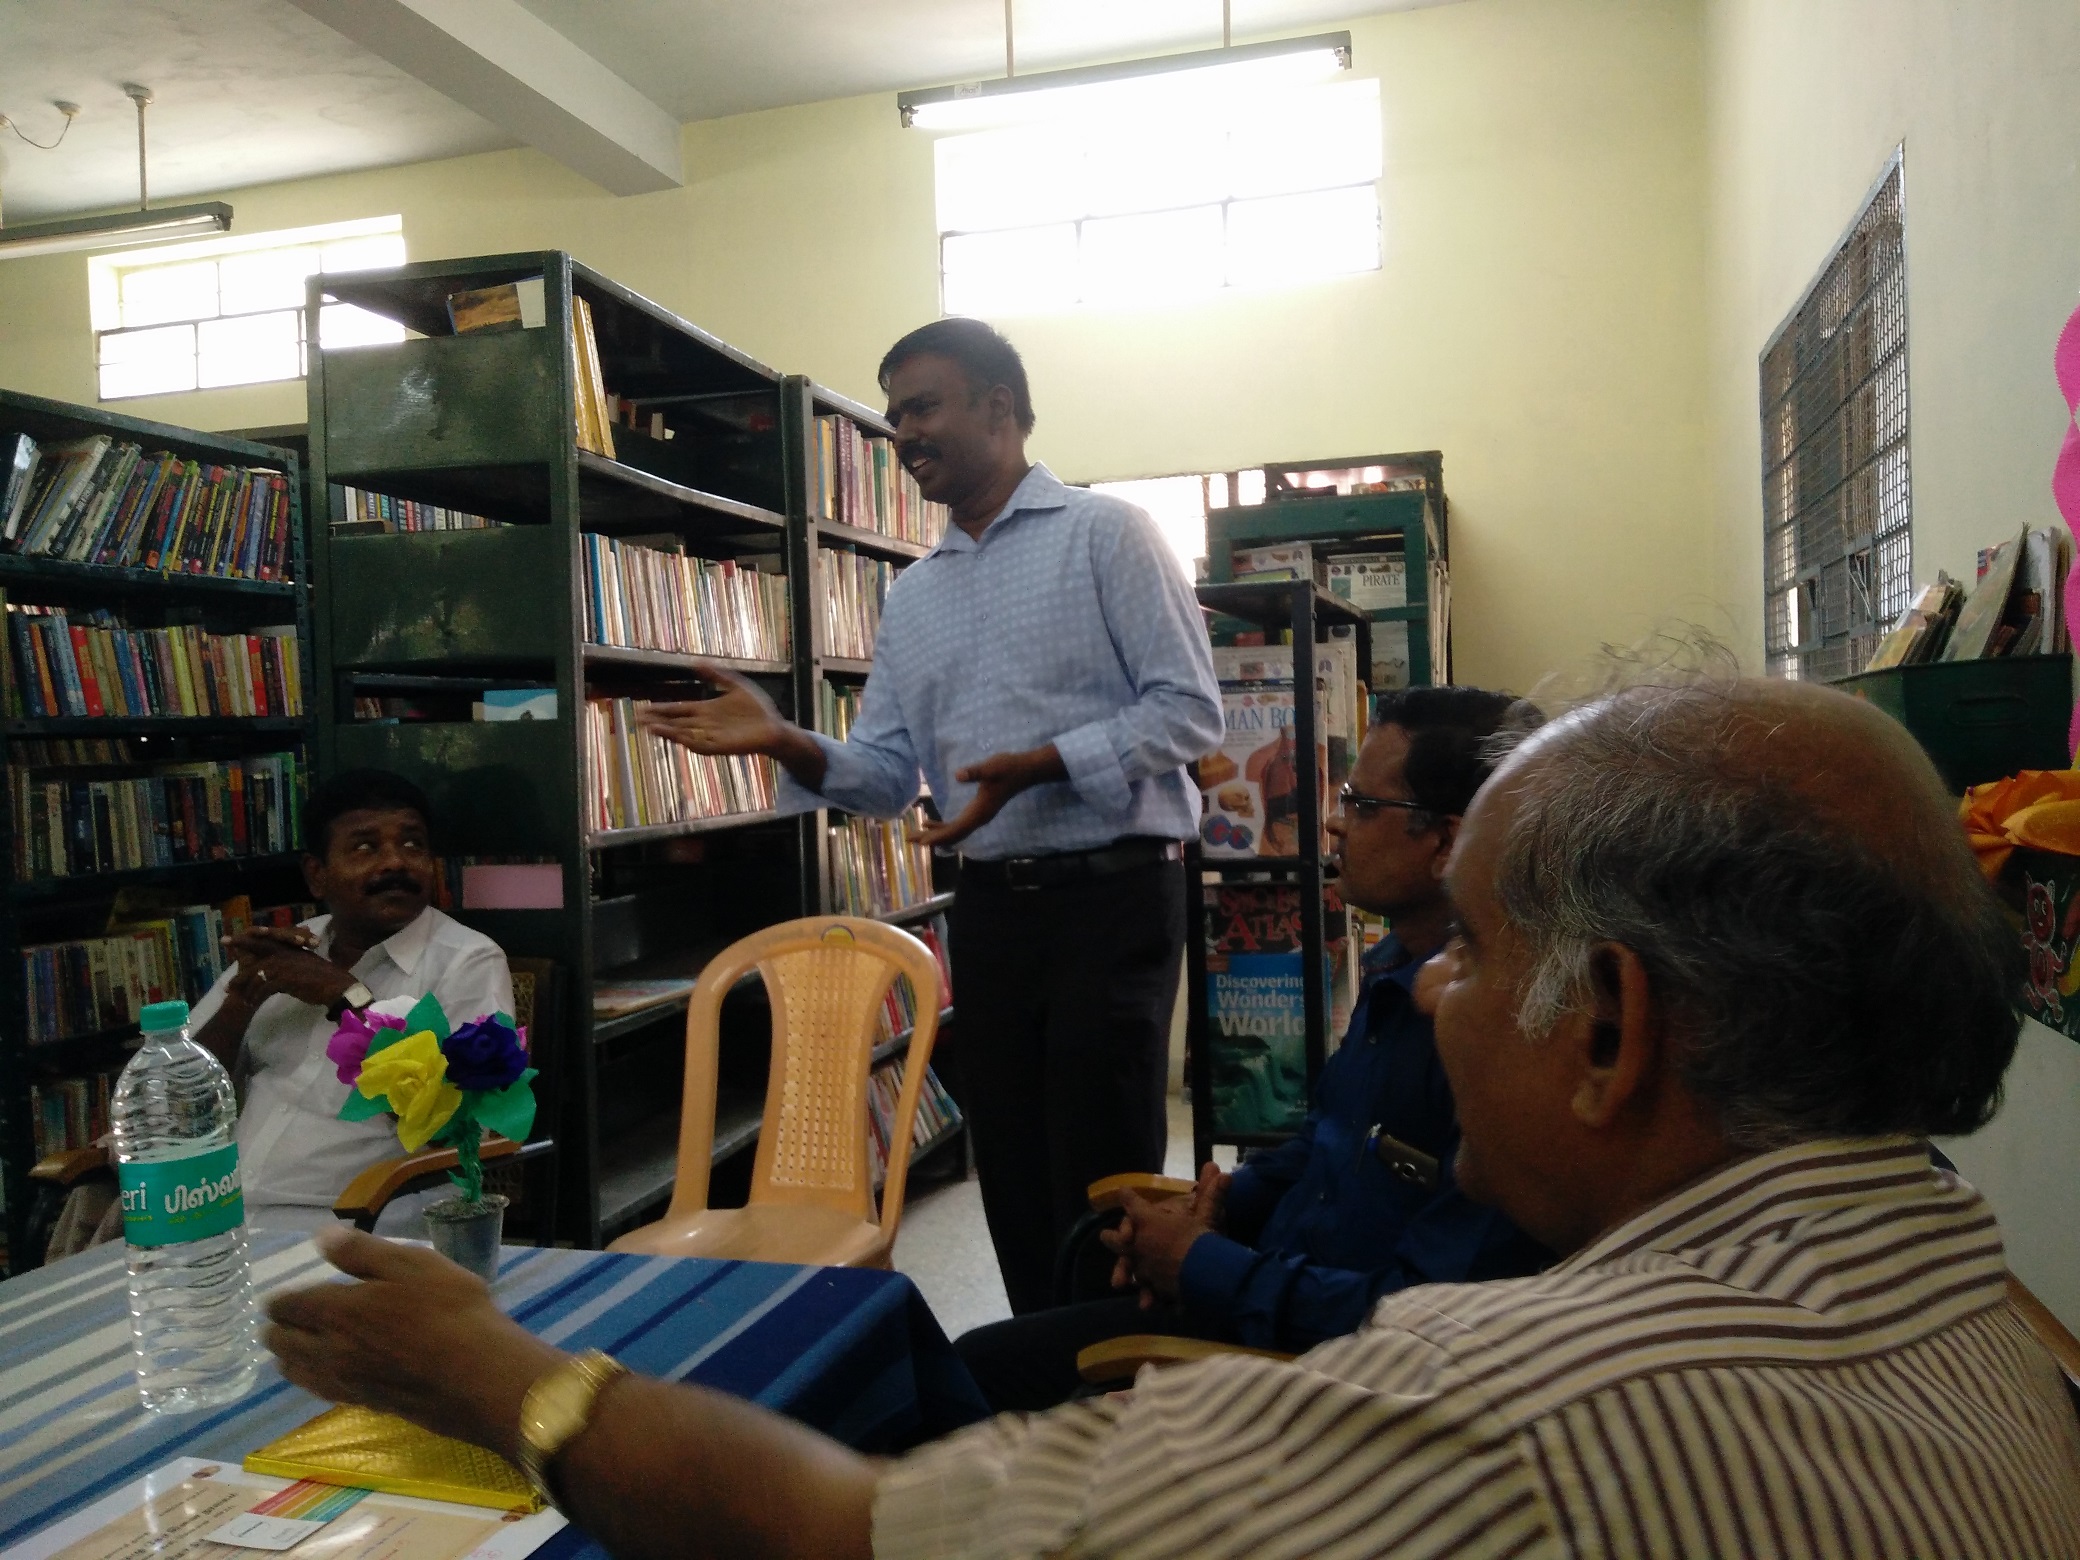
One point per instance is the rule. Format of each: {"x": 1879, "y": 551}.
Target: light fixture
{"x": 1252, "y": 67}
{"x": 142, "y": 226}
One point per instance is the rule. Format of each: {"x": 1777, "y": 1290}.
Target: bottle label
{"x": 170, "y": 1201}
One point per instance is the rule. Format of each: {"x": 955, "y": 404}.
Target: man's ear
{"x": 314, "y": 875}
{"x": 1620, "y": 1036}
{"x": 1447, "y": 837}
{"x": 1001, "y": 414}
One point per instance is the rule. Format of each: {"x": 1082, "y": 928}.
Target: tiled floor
{"x": 944, "y": 1244}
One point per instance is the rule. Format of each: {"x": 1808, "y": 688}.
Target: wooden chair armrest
{"x": 1105, "y": 1194}
{"x": 1117, "y": 1359}
{"x": 369, "y": 1193}
{"x": 68, "y": 1165}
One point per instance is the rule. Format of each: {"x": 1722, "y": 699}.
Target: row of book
{"x": 877, "y": 866}
{"x": 837, "y": 707}
{"x": 853, "y": 588}
{"x": 94, "y": 500}
{"x": 899, "y": 1007}
{"x": 1249, "y": 786}
{"x": 936, "y": 1112}
{"x": 91, "y": 985}
{"x": 102, "y": 667}
{"x": 647, "y": 599}
{"x": 381, "y": 514}
{"x": 2016, "y": 607}
{"x": 209, "y": 810}
{"x": 637, "y": 779}
{"x": 69, "y": 1113}
{"x": 855, "y": 478}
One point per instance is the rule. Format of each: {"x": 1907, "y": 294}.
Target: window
{"x": 229, "y": 311}
{"x": 1173, "y": 202}
{"x": 1837, "y": 503}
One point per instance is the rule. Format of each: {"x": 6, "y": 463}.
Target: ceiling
{"x": 252, "y": 91}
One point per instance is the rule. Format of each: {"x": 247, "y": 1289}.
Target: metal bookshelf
{"x": 64, "y": 908}
{"x": 1306, "y": 614}
{"x": 484, "y": 422}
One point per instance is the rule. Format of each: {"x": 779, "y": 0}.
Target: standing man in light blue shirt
{"x": 1046, "y": 668}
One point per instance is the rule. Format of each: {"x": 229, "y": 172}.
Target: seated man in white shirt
{"x": 369, "y": 859}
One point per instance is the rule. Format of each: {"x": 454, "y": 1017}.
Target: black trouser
{"x": 1064, "y": 997}
{"x": 1028, "y": 1364}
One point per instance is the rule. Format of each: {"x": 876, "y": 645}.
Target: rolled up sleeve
{"x": 1155, "y": 625}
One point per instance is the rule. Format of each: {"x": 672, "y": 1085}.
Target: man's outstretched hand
{"x": 741, "y": 719}
{"x": 417, "y": 1337}
{"x": 996, "y": 779}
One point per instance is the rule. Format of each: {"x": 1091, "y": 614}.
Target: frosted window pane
{"x": 1294, "y": 238}
{"x": 1308, "y": 140}
{"x": 364, "y": 254}
{"x": 268, "y": 279}
{"x": 344, "y": 325}
{"x": 1009, "y": 178}
{"x": 1146, "y": 165}
{"x": 995, "y": 273}
{"x": 247, "y": 350}
{"x": 1176, "y": 504}
{"x": 1166, "y": 255}
{"x": 160, "y": 293}
{"x": 148, "y": 362}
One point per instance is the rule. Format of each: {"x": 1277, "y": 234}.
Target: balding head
{"x": 1703, "y": 921}
{"x": 1788, "y": 867}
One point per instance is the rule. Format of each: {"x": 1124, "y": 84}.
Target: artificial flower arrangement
{"x": 445, "y": 1085}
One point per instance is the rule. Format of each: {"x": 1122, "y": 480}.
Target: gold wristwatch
{"x": 556, "y": 1408}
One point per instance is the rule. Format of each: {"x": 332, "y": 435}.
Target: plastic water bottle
{"x": 192, "y": 1319}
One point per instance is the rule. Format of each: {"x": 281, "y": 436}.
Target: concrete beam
{"x": 503, "y": 62}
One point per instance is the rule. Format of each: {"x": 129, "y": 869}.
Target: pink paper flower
{"x": 348, "y": 1047}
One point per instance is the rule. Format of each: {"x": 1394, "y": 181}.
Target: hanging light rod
{"x": 142, "y": 226}
{"x": 973, "y": 104}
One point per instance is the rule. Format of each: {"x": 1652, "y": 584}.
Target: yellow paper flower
{"x": 413, "y": 1075}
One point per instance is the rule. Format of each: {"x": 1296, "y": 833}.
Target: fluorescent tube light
{"x": 1253, "y": 67}
{"x": 123, "y": 227}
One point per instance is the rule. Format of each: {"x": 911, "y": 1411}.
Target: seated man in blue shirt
{"x": 1297, "y": 1244}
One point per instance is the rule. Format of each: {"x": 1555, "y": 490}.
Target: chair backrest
{"x": 2058, "y": 1342}
{"x": 825, "y": 977}
{"x": 538, "y": 998}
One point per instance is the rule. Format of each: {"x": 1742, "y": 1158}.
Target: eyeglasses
{"x": 1363, "y": 806}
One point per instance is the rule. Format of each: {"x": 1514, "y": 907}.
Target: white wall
{"x": 1806, "y": 100}
{"x": 1538, "y": 318}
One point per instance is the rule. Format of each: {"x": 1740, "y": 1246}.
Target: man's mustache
{"x": 910, "y": 454}
{"x": 395, "y": 882}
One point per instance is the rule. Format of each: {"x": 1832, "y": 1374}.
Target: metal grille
{"x": 1837, "y": 502}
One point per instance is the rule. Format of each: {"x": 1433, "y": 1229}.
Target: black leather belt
{"x": 1074, "y": 866}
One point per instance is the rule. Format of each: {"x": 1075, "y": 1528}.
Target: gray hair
{"x": 1815, "y": 990}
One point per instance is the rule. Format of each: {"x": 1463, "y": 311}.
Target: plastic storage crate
{"x": 1979, "y": 720}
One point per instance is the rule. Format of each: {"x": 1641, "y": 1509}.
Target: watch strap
{"x": 556, "y": 1408}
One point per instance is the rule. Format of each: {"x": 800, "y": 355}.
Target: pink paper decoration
{"x": 2065, "y": 476}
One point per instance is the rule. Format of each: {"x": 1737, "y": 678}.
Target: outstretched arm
{"x": 660, "y": 1472}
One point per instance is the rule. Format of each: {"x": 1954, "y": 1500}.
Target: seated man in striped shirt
{"x": 1723, "y": 965}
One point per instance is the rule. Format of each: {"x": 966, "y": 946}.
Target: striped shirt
{"x": 1806, "y": 1353}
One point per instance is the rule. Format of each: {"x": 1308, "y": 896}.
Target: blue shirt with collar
{"x": 1069, "y": 622}
{"x": 1317, "y": 1229}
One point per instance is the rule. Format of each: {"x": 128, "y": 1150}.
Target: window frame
{"x": 107, "y": 273}
{"x": 1836, "y": 426}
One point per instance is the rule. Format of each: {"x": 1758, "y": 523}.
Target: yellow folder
{"x": 363, "y": 1449}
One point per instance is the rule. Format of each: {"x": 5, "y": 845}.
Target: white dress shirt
{"x": 296, "y": 1155}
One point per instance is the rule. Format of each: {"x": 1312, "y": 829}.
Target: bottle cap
{"x": 158, "y": 1017}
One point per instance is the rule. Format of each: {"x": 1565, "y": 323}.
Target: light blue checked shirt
{"x": 1070, "y": 622}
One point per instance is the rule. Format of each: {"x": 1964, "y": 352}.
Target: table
{"x": 854, "y": 1352}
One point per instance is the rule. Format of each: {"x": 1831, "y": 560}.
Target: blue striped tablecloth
{"x": 852, "y": 1352}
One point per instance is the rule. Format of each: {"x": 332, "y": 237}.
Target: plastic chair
{"x": 812, "y": 1183}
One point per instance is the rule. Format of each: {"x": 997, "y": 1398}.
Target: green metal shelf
{"x": 831, "y": 532}
{"x": 149, "y": 725}
{"x": 101, "y": 885}
{"x": 106, "y": 579}
{"x": 622, "y": 656}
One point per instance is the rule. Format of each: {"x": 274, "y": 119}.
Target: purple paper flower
{"x": 484, "y": 1055}
{"x": 348, "y": 1047}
